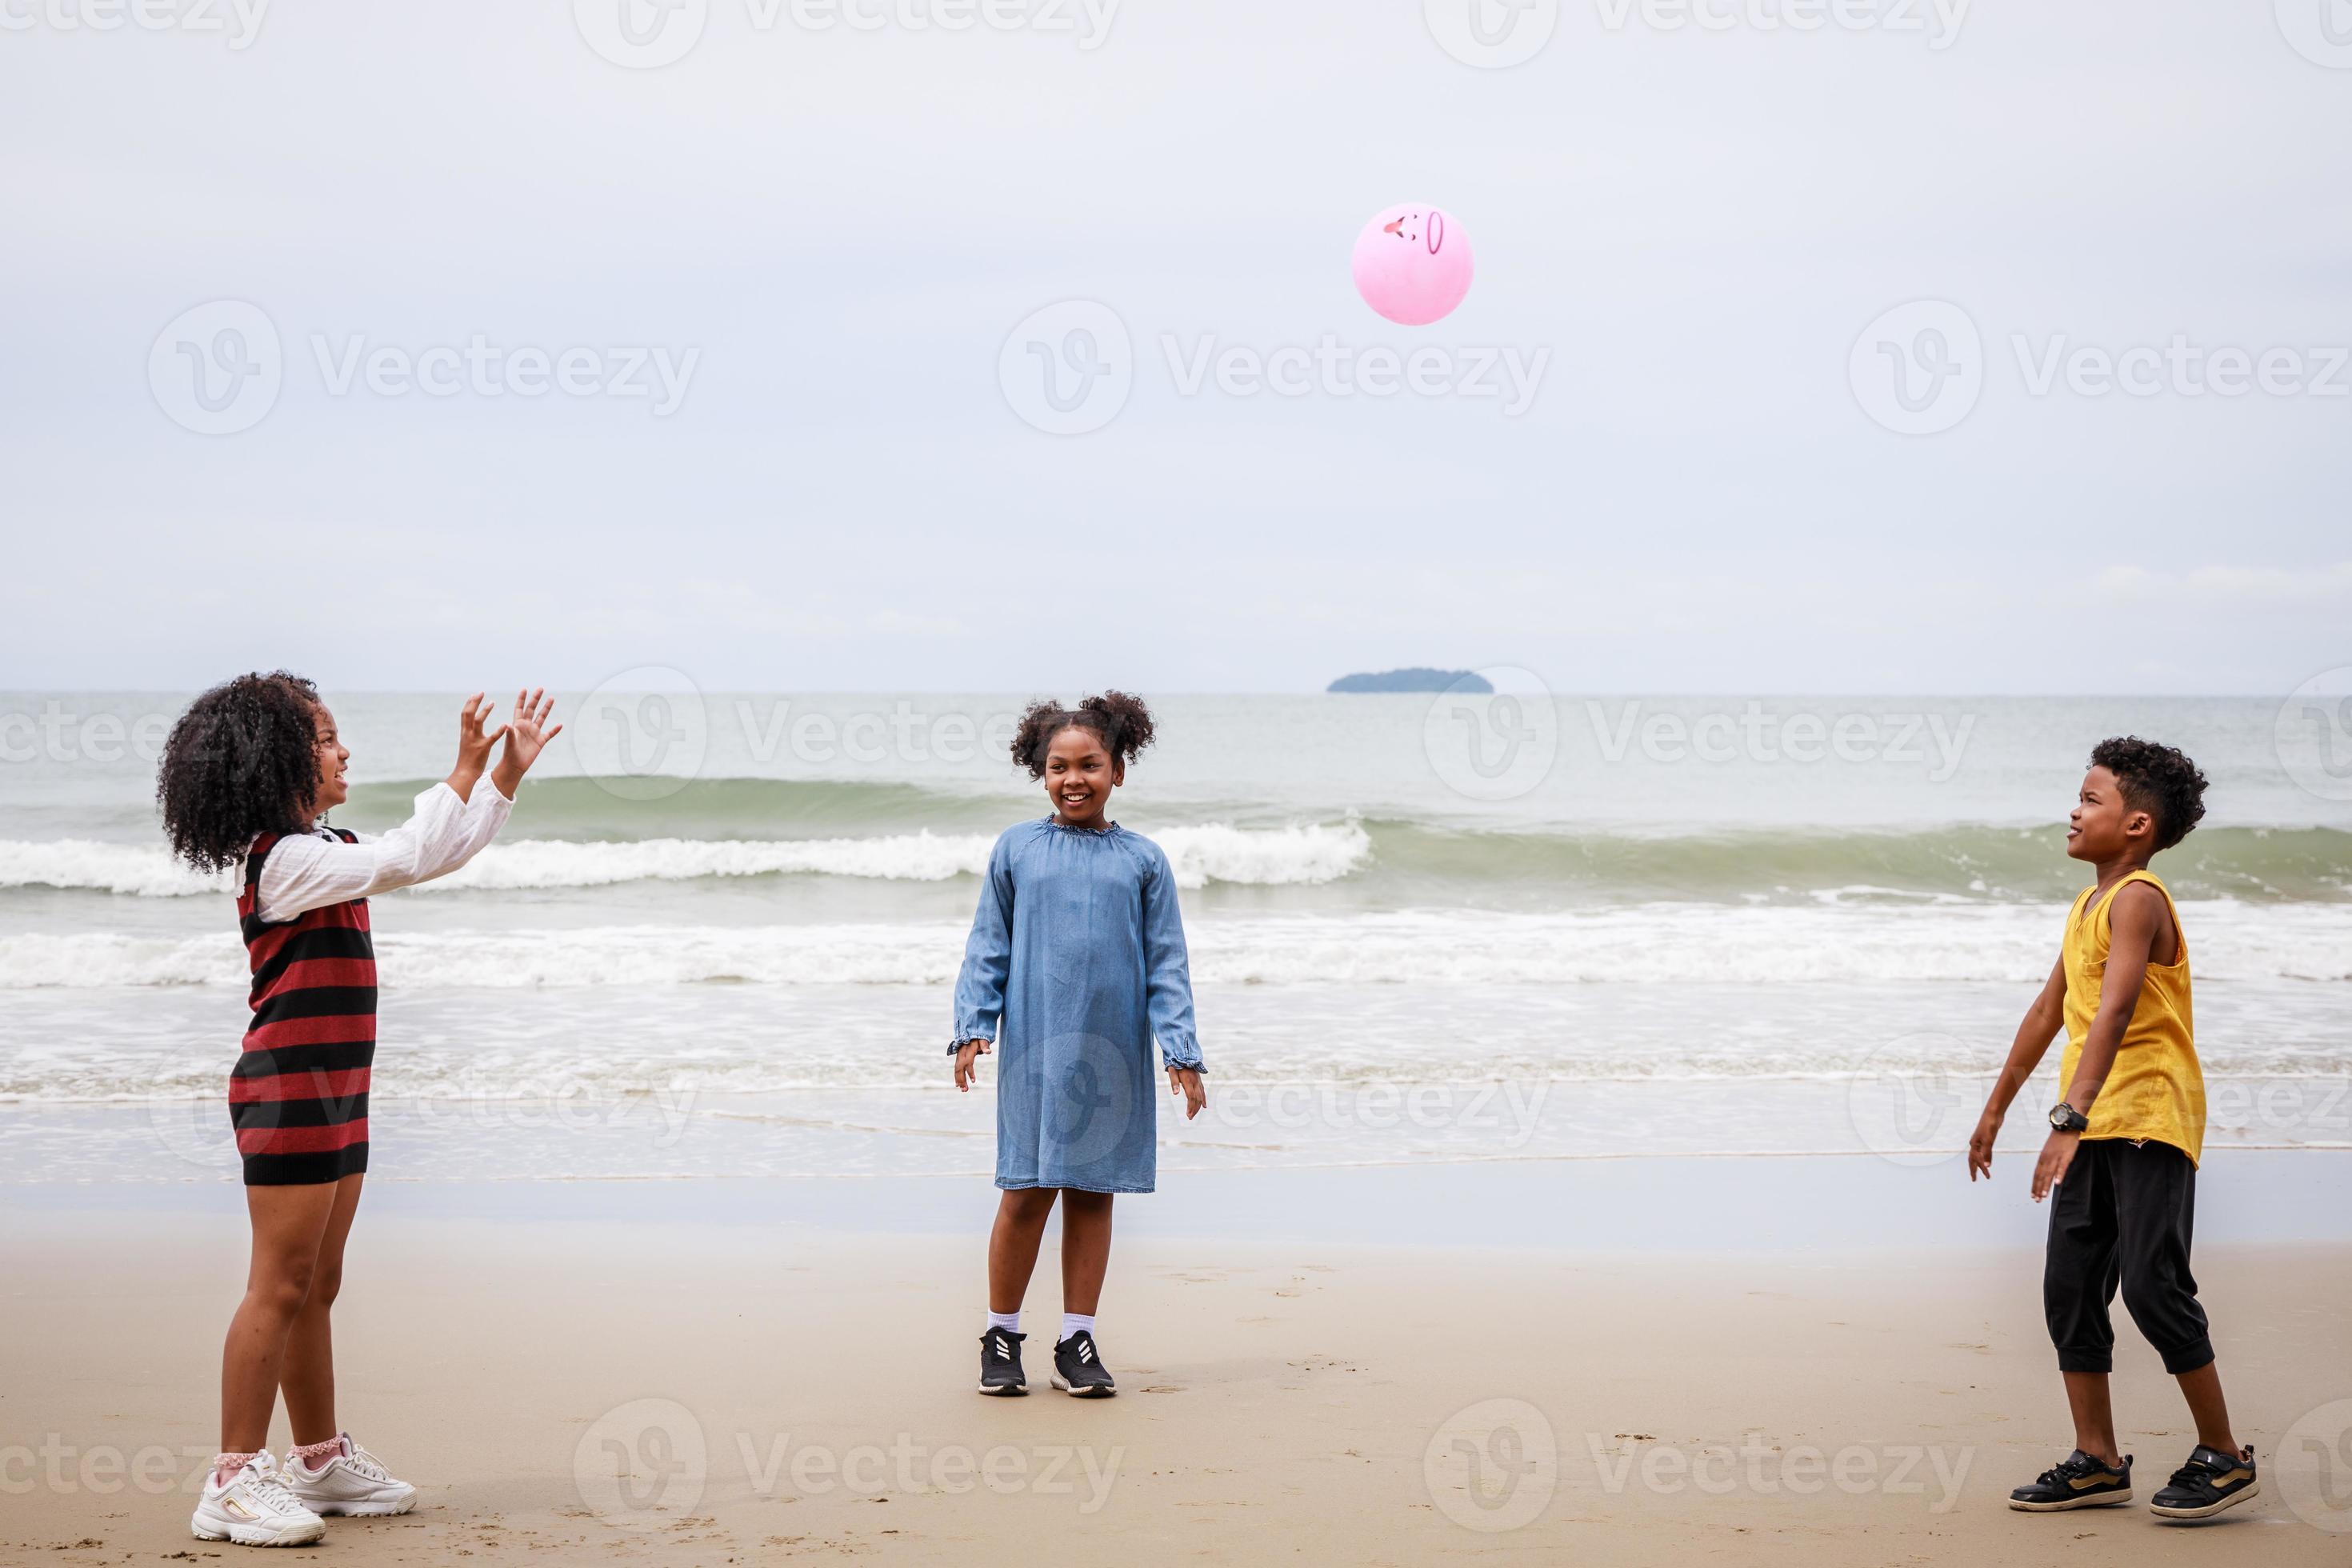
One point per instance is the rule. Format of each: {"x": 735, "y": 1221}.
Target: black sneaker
{"x": 2210, "y": 1482}
{"x": 1077, "y": 1366}
{"x": 1000, "y": 1362}
{"x": 2076, "y": 1482}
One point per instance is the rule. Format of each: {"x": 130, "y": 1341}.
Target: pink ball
{"x": 1412, "y": 264}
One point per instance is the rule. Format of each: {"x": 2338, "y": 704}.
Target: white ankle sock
{"x": 1009, "y": 1321}
{"x": 1072, "y": 1322}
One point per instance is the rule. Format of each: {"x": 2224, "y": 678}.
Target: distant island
{"x": 1414, "y": 680}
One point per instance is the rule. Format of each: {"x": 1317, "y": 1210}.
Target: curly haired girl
{"x": 1076, "y": 964}
{"x": 247, "y": 777}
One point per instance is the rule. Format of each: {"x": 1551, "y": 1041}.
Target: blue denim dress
{"x": 1078, "y": 950}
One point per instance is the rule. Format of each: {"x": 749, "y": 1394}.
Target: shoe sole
{"x": 1098, "y": 1391}
{"x": 2105, "y": 1500}
{"x": 253, "y": 1535}
{"x": 1005, "y": 1390}
{"x": 363, "y": 1509}
{"x": 2252, "y": 1489}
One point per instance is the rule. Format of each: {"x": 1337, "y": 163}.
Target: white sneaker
{"x": 351, "y": 1482}
{"x": 255, "y": 1508}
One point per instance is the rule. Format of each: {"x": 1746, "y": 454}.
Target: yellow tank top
{"x": 2156, "y": 1090}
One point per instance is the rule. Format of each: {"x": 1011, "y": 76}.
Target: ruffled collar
{"x": 1058, "y": 826}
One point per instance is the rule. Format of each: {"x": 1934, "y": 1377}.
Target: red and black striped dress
{"x": 299, "y": 1098}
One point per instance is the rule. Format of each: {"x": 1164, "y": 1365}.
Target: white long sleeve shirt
{"x": 309, "y": 871}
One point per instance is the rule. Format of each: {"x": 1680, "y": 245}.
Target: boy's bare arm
{"x": 2040, "y": 1026}
{"x": 2132, "y": 923}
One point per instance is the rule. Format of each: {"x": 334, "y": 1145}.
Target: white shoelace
{"x": 269, "y": 1488}
{"x": 366, "y": 1463}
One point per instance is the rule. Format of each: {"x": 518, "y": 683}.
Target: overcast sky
{"x": 827, "y": 234}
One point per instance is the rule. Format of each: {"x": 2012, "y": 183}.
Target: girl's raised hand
{"x": 527, "y": 733}
{"x": 1186, "y": 1081}
{"x": 474, "y": 739}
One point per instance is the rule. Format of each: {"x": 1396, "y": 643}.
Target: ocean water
{"x": 719, "y": 936}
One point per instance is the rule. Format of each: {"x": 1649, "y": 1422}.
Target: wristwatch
{"x": 2066, "y": 1119}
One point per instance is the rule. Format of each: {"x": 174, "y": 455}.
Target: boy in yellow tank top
{"x": 2120, "y": 1166}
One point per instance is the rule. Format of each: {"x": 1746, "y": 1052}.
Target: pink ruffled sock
{"x": 313, "y": 1454}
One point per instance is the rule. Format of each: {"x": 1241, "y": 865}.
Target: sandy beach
{"x": 729, "y": 1385}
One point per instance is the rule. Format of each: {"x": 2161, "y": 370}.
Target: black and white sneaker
{"x": 1000, "y": 1362}
{"x": 2076, "y": 1482}
{"x": 1077, "y": 1367}
{"x": 2210, "y": 1481}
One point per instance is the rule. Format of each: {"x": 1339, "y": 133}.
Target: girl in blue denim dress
{"x": 1075, "y": 966}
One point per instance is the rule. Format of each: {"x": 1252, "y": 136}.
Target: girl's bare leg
{"x": 308, "y": 1375}
{"x": 1013, "y": 1246}
{"x": 1086, "y": 1249}
{"x": 287, "y": 1225}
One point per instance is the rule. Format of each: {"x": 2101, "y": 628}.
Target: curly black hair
{"x": 1123, "y": 722}
{"x": 242, "y": 760}
{"x": 2157, "y": 779}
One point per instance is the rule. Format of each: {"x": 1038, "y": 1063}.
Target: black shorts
{"x": 2123, "y": 1216}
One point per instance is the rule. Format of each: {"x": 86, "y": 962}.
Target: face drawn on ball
{"x": 1426, "y": 230}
